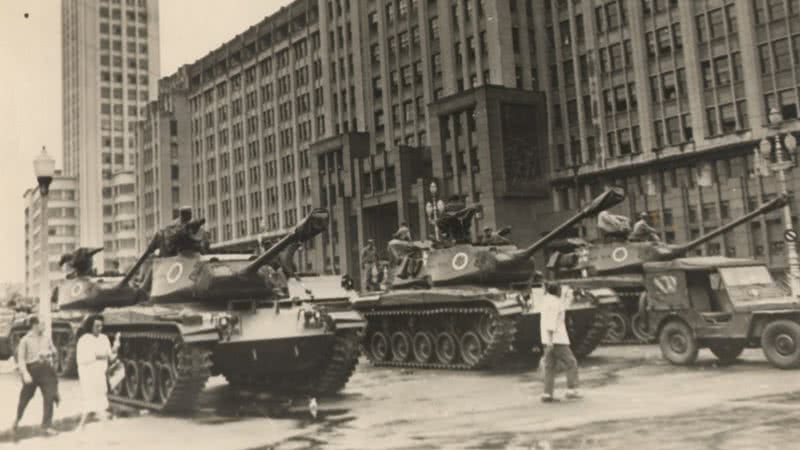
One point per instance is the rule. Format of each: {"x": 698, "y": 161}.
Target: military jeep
{"x": 724, "y": 304}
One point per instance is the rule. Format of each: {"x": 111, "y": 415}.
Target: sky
{"x": 30, "y": 87}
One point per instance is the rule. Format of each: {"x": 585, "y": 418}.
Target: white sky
{"x": 30, "y": 87}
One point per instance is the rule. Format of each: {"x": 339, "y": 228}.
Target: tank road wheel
{"x": 446, "y": 348}
{"x": 677, "y": 343}
{"x": 379, "y": 346}
{"x": 166, "y": 381}
{"x": 617, "y": 327}
{"x": 727, "y": 351}
{"x": 780, "y": 342}
{"x": 486, "y": 327}
{"x": 401, "y": 346}
{"x": 423, "y": 346}
{"x": 470, "y": 348}
{"x": 149, "y": 377}
{"x": 132, "y": 379}
{"x": 639, "y": 328}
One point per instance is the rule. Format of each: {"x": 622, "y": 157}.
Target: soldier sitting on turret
{"x": 489, "y": 237}
{"x": 456, "y": 220}
{"x": 613, "y": 227}
{"x": 184, "y": 234}
{"x": 642, "y": 231}
{"x": 80, "y": 261}
{"x": 403, "y": 251}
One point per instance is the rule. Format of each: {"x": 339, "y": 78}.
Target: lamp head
{"x": 44, "y": 166}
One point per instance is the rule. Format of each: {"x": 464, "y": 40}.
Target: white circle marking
{"x": 174, "y": 273}
{"x": 76, "y": 290}
{"x": 619, "y": 254}
{"x": 460, "y": 261}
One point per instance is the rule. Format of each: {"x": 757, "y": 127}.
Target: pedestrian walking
{"x": 35, "y": 360}
{"x": 556, "y": 341}
{"x": 94, "y": 353}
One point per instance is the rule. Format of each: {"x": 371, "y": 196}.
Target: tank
{"x": 617, "y": 264}
{"x": 463, "y": 305}
{"x": 206, "y": 314}
{"x": 82, "y": 293}
{"x": 71, "y": 301}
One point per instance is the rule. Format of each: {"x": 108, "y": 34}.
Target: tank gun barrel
{"x": 313, "y": 224}
{"x": 778, "y": 202}
{"x": 602, "y": 202}
{"x": 151, "y": 248}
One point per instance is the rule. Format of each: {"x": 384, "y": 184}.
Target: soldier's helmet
{"x": 185, "y": 213}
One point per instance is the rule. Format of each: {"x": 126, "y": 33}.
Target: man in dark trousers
{"x": 555, "y": 339}
{"x": 35, "y": 363}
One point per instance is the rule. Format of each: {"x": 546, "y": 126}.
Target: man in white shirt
{"x": 555, "y": 339}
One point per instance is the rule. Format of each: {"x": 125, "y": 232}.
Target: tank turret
{"x": 86, "y": 291}
{"x": 495, "y": 265}
{"x": 621, "y": 257}
{"x": 192, "y": 276}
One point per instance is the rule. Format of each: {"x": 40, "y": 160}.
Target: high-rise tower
{"x": 110, "y": 72}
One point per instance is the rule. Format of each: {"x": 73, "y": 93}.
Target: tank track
{"x": 592, "y": 337}
{"x": 190, "y": 366}
{"x": 493, "y": 349}
{"x": 326, "y": 380}
{"x": 341, "y": 365}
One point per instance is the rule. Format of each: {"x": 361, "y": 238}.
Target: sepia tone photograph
{"x": 399, "y": 224}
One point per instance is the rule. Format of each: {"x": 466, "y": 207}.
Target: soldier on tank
{"x": 642, "y": 231}
{"x": 80, "y": 261}
{"x": 403, "y": 251}
{"x": 455, "y": 220}
{"x": 182, "y": 235}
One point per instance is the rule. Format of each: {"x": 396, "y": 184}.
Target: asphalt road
{"x": 633, "y": 400}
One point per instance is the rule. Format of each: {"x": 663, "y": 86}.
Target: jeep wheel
{"x": 726, "y": 351}
{"x": 677, "y": 343}
{"x": 781, "y": 344}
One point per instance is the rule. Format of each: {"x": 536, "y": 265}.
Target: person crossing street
{"x": 35, "y": 356}
{"x": 556, "y": 341}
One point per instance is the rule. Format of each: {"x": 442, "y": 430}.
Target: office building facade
{"x": 528, "y": 108}
{"x": 670, "y": 100}
{"x": 110, "y": 72}
{"x": 62, "y": 211}
{"x": 164, "y": 179}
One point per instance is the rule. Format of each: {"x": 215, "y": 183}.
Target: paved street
{"x": 634, "y": 400}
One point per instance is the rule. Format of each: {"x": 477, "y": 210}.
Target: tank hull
{"x": 271, "y": 345}
{"x": 464, "y": 328}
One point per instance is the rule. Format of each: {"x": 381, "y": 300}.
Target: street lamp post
{"x": 433, "y": 208}
{"x": 44, "y": 167}
{"x": 781, "y": 164}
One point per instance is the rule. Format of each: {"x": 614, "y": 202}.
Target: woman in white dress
{"x": 94, "y": 353}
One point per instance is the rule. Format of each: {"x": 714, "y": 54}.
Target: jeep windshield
{"x": 749, "y": 283}
{"x": 746, "y": 276}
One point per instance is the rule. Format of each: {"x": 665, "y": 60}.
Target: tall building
{"x": 163, "y": 158}
{"x": 670, "y": 99}
{"x": 62, "y": 233}
{"x": 528, "y": 108}
{"x": 256, "y": 104}
{"x": 110, "y": 52}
